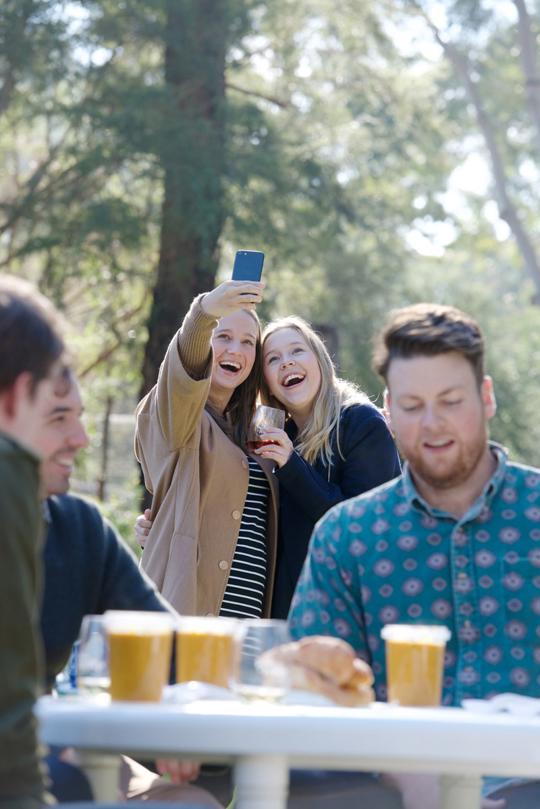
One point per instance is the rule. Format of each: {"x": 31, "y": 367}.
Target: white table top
{"x": 380, "y": 737}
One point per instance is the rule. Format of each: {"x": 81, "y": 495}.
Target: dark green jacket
{"x": 21, "y": 784}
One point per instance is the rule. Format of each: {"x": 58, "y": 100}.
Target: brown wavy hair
{"x": 239, "y": 412}
{"x": 429, "y": 329}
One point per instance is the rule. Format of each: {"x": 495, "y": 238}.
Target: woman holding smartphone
{"x": 335, "y": 445}
{"x": 214, "y": 511}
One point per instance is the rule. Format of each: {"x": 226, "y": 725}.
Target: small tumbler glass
{"x": 93, "y": 656}
{"x": 257, "y": 677}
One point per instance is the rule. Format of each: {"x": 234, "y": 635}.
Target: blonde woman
{"x": 335, "y": 445}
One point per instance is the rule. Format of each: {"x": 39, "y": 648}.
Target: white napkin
{"x": 515, "y": 704}
{"x": 298, "y": 697}
{"x": 192, "y": 691}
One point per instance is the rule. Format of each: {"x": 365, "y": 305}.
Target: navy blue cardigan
{"x": 306, "y": 491}
{"x": 88, "y": 569}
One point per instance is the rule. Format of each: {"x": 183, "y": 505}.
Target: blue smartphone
{"x": 248, "y": 265}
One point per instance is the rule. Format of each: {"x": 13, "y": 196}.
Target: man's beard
{"x": 453, "y": 474}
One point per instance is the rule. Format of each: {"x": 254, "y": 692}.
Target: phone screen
{"x": 248, "y": 265}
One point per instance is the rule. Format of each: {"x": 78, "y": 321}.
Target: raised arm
{"x": 171, "y": 411}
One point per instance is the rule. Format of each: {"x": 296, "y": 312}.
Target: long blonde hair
{"x": 314, "y": 440}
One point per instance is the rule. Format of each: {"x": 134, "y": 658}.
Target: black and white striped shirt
{"x": 244, "y": 593}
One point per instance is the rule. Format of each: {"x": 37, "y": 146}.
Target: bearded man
{"x": 455, "y": 540}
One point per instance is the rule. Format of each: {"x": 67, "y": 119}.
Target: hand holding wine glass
{"x": 267, "y": 437}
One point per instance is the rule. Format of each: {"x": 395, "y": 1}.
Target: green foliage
{"x": 339, "y": 138}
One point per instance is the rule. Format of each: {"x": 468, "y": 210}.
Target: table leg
{"x": 261, "y": 782}
{"x": 460, "y": 791}
{"x": 103, "y": 772}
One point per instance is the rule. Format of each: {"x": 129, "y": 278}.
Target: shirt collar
{"x": 415, "y": 500}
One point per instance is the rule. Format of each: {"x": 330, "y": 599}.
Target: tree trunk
{"x": 193, "y": 161}
{"x": 507, "y": 209}
{"x": 105, "y": 441}
{"x": 505, "y": 204}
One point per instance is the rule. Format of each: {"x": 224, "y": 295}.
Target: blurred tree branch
{"x": 508, "y": 211}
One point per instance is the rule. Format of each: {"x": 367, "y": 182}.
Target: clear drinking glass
{"x": 206, "y": 648}
{"x": 93, "y": 656}
{"x": 140, "y": 647}
{"x": 263, "y": 418}
{"x": 256, "y": 677}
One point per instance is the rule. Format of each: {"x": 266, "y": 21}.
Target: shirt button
{"x": 236, "y": 514}
{"x": 223, "y": 565}
{"x": 462, "y": 575}
{"x": 245, "y": 464}
{"x": 467, "y": 624}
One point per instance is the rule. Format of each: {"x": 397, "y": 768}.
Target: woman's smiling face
{"x": 234, "y": 342}
{"x": 291, "y": 370}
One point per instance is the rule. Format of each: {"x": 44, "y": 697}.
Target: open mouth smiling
{"x": 230, "y": 366}
{"x": 292, "y": 379}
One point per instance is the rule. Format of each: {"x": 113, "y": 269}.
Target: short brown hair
{"x": 428, "y": 329}
{"x": 30, "y": 333}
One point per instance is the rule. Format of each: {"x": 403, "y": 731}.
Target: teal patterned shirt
{"x": 388, "y": 557}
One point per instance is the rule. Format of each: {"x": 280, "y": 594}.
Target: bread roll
{"x": 362, "y": 674}
{"x": 309, "y": 680}
{"x": 329, "y": 656}
{"x": 326, "y": 666}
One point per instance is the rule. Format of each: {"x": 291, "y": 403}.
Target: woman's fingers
{"x": 230, "y": 296}
{"x": 277, "y": 446}
{"x": 143, "y": 524}
{"x": 273, "y": 435}
{"x": 180, "y": 772}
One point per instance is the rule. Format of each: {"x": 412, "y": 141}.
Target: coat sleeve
{"x": 168, "y": 416}
{"x": 370, "y": 459}
{"x": 123, "y": 585}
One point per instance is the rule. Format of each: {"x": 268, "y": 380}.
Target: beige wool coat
{"x": 198, "y": 478}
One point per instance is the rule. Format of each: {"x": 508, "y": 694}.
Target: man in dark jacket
{"x": 31, "y": 375}
{"x": 88, "y": 570}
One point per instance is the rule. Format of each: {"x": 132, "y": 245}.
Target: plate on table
{"x": 515, "y": 704}
{"x": 299, "y": 697}
{"x": 193, "y": 691}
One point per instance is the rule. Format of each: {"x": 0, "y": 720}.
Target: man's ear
{"x": 488, "y": 397}
{"x": 18, "y": 394}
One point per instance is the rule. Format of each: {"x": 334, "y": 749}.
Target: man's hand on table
{"x": 180, "y": 772}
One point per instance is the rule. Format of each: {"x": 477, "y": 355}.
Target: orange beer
{"x": 415, "y": 663}
{"x": 206, "y": 649}
{"x": 140, "y": 646}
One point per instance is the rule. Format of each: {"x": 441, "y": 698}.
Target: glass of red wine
{"x": 263, "y": 418}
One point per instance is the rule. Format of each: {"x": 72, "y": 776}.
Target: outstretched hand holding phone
{"x": 231, "y": 296}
